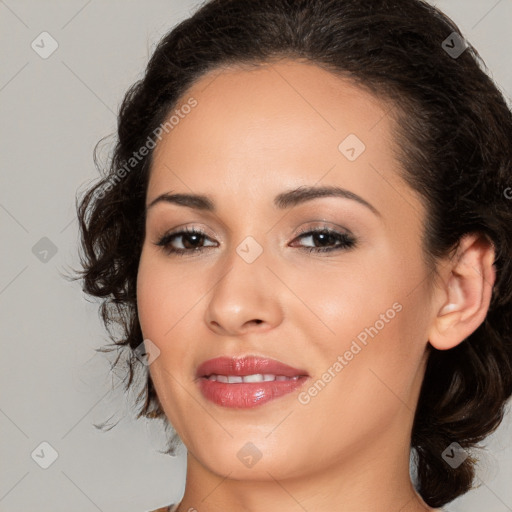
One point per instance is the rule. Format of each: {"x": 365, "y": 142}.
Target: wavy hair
{"x": 453, "y": 131}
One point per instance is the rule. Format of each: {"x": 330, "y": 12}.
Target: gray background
{"x": 54, "y": 385}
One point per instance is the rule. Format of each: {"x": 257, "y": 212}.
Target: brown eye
{"x": 184, "y": 241}
{"x": 327, "y": 240}
{"x": 191, "y": 241}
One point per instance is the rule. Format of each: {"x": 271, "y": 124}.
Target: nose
{"x": 245, "y": 298}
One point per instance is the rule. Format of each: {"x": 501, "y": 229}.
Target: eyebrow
{"x": 282, "y": 201}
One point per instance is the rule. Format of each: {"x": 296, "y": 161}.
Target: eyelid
{"x": 323, "y": 224}
{"x": 310, "y": 226}
{"x": 344, "y": 236}
{"x": 191, "y": 228}
{"x": 179, "y": 231}
{"x": 339, "y": 232}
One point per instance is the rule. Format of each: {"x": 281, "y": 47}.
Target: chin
{"x": 252, "y": 460}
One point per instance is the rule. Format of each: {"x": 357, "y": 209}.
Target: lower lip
{"x": 245, "y": 395}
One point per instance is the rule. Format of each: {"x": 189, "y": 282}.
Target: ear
{"x": 463, "y": 296}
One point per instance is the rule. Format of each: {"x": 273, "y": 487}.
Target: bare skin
{"x": 254, "y": 134}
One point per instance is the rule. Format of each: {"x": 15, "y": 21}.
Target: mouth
{"x": 247, "y": 382}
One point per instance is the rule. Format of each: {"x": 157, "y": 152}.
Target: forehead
{"x": 278, "y": 125}
{"x": 276, "y": 107}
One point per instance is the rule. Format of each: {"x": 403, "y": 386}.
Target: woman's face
{"x": 354, "y": 319}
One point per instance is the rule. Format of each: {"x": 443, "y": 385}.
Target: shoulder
{"x": 169, "y": 508}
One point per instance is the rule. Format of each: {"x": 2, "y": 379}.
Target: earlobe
{"x": 465, "y": 293}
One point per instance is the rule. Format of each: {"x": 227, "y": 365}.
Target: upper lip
{"x": 246, "y": 365}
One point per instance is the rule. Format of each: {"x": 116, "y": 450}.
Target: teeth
{"x": 257, "y": 377}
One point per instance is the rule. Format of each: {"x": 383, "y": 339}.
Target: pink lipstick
{"x": 247, "y": 382}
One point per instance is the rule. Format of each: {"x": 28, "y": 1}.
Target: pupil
{"x": 198, "y": 238}
{"x": 324, "y": 237}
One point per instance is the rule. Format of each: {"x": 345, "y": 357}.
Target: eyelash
{"x": 345, "y": 240}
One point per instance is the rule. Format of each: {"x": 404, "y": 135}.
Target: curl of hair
{"x": 453, "y": 140}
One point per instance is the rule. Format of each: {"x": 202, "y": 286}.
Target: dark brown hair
{"x": 454, "y": 131}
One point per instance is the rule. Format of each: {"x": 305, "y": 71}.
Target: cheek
{"x": 149, "y": 300}
{"x": 368, "y": 378}
{"x": 164, "y": 298}
{"x": 373, "y": 315}
{"x": 349, "y": 296}
{"x": 164, "y": 295}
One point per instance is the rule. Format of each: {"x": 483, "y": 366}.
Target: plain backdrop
{"x": 55, "y": 387}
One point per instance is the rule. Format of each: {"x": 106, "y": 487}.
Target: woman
{"x": 305, "y": 234}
